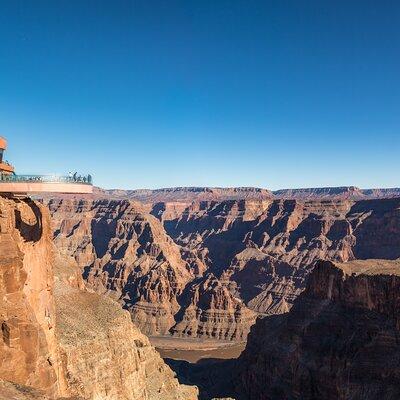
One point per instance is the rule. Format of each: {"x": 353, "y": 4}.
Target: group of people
{"x": 74, "y": 177}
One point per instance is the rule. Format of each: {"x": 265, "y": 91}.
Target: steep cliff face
{"x": 104, "y": 356}
{"x": 211, "y": 310}
{"x": 63, "y": 340}
{"x": 226, "y": 260}
{"x": 341, "y": 339}
{"x": 13, "y": 391}
{"x": 186, "y": 194}
{"x": 195, "y": 194}
{"x": 265, "y": 250}
{"x": 126, "y": 252}
{"x": 28, "y": 349}
{"x": 330, "y": 193}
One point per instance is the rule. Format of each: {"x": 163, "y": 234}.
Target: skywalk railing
{"x": 83, "y": 179}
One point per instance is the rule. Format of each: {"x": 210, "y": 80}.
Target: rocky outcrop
{"x": 264, "y": 251}
{"x": 28, "y": 350}
{"x": 104, "y": 356}
{"x": 340, "y": 340}
{"x": 13, "y": 391}
{"x": 344, "y": 192}
{"x": 206, "y": 268}
{"x": 126, "y": 252}
{"x": 212, "y": 311}
{"x": 330, "y": 193}
{"x": 64, "y": 340}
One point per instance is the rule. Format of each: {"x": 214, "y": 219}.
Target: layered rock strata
{"x": 13, "y": 391}
{"x": 207, "y": 268}
{"x": 66, "y": 341}
{"x": 195, "y": 194}
{"x": 125, "y": 252}
{"x": 104, "y": 356}
{"x": 28, "y": 349}
{"x": 341, "y": 339}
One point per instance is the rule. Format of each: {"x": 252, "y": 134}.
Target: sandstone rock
{"x": 330, "y": 193}
{"x": 212, "y": 311}
{"x": 66, "y": 342}
{"x": 340, "y": 340}
{"x": 104, "y": 356}
{"x": 205, "y": 268}
{"x": 28, "y": 350}
{"x": 188, "y": 195}
{"x": 345, "y": 192}
{"x": 267, "y": 255}
{"x": 126, "y": 252}
{"x": 13, "y": 391}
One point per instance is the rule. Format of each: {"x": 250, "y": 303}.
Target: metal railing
{"x": 83, "y": 179}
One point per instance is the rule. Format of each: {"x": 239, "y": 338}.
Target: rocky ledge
{"x": 60, "y": 340}
{"x": 341, "y": 339}
{"x": 207, "y": 269}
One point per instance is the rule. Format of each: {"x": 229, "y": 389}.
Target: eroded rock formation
{"x": 126, "y": 252}
{"x": 28, "y": 350}
{"x": 104, "y": 356}
{"x": 208, "y": 268}
{"x": 64, "y": 340}
{"x": 195, "y": 194}
{"x": 340, "y": 341}
{"x": 13, "y": 391}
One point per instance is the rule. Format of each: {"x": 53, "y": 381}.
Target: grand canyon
{"x": 199, "y": 200}
{"x": 208, "y": 267}
{"x": 304, "y": 283}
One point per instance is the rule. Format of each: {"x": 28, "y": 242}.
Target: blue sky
{"x": 146, "y": 94}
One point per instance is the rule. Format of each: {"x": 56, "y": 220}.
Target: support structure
{"x": 19, "y": 185}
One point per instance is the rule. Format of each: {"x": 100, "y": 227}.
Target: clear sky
{"x": 146, "y": 94}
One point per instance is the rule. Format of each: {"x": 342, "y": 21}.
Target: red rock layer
{"x": 28, "y": 353}
{"x": 65, "y": 341}
{"x": 205, "y": 268}
{"x": 339, "y": 342}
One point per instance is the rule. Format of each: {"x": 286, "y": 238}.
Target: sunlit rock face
{"x": 105, "y": 356}
{"x": 58, "y": 340}
{"x": 208, "y": 268}
{"x": 28, "y": 349}
{"x": 340, "y": 340}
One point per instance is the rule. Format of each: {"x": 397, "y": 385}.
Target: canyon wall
{"x": 59, "y": 339}
{"x": 194, "y": 194}
{"x": 340, "y": 341}
{"x": 103, "y": 355}
{"x": 28, "y": 350}
{"x": 208, "y": 268}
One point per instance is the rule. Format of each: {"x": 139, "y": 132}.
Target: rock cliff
{"x": 28, "y": 350}
{"x": 125, "y": 251}
{"x": 186, "y": 194}
{"x": 195, "y": 194}
{"x": 207, "y": 268}
{"x": 62, "y": 340}
{"x": 103, "y": 355}
{"x": 339, "y": 342}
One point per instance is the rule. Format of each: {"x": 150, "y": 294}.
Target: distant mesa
{"x": 205, "y": 194}
{"x": 12, "y": 184}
